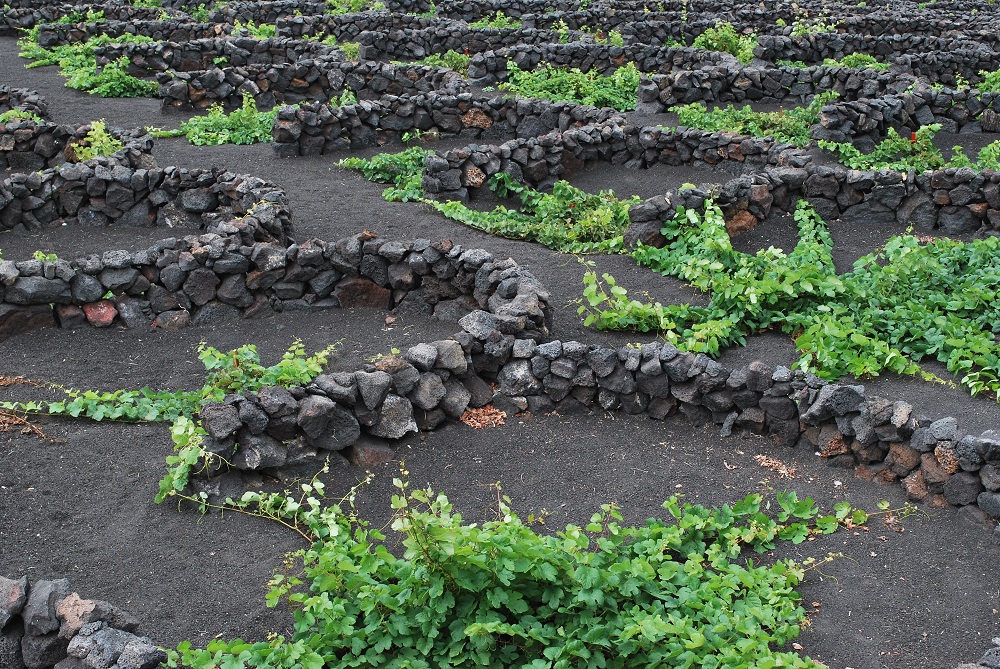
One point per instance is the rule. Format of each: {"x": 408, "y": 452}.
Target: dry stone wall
{"x": 44, "y": 625}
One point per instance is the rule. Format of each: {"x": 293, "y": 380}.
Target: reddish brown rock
{"x": 476, "y": 118}
{"x": 947, "y": 459}
{"x": 915, "y": 486}
{"x": 172, "y": 321}
{"x": 902, "y": 458}
{"x": 70, "y": 316}
{"x": 100, "y": 314}
{"x": 934, "y": 473}
{"x": 361, "y": 292}
{"x": 369, "y": 454}
{"x": 742, "y": 222}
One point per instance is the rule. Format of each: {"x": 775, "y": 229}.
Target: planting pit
{"x": 81, "y": 507}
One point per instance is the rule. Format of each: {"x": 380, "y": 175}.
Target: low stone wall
{"x": 734, "y": 83}
{"x": 865, "y": 122}
{"x": 150, "y": 58}
{"x": 415, "y": 43}
{"x": 23, "y": 99}
{"x": 13, "y": 19}
{"x": 43, "y": 625}
{"x": 322, "y": 78}
{"x": 265, "y": 12}
{"x": 171, "y": 30}
{"x": 812, "y": 49}
{"x": 316, "y": 128}
{"x": 953, "y": 201}
{"x": 29, "y": 147}
{"x": 879, "y": 439}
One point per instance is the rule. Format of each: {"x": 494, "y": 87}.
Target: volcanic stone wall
{"x": 23, "y": 99}
{"x": 28, "y": 147}
{"x": 43, "y": 624}
{"x": 430, "y": 383}
{"x": 316, "y": 128}
{"x": 865, "y": 122}
{"x": 153, "y": 57}
{"x": 14, "y": 19}
{"x": 50, "y": 35}
{"x": 735, "y": 83}
{"x": 321, "y": 78}
{"x": 412, "y": 44}
{"x": 812, "y": 49}
{"x": 265, "y": 12}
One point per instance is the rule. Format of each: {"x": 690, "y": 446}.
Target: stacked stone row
{"x": 44, "y": 625}
{"x": 812, "y": 49}
{"x": 879, "y": 439}
{"x": 26, "y": 146}
{"x": 23, "y": 99}
{"x": 13, "y": 19}
{"x": 153, "y": 57}
{"x": 865, "y": 122}
{"x": 265, "y": 12}
{"x": 317, "y": 128}
{"x": 167, "y": 30}
{"x": 321, "y": 78}
{"x": 415, "y": 43}
{"x": 417, "y": 390}
{"x": 735, "y": 83}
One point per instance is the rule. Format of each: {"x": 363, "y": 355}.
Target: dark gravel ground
{"x": 80, "y": 506}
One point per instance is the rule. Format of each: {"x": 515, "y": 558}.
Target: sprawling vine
{"x": 910, "y": 301}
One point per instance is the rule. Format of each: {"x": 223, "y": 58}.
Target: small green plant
{"x": 78, "y": 64}
{"x": 245, "y": 125}
{"x": 18, "y": 115}
{"x": 337, "y": 7}
{"x": 618, "y": 90}
{"x": 42, "y": 256}
{"x": 97, "y": 142}
{"x": 671, "y": 592}
{"x": 91, "y": 16}
{"x": 562, "y": 31}
{"x": 262, "y": 31}
{"x": 152, "y": 4}
{"x": 404, "y": 170}
{"x": 724, "y": 38}
{"x": 567, "y": 219}
{"x": 221, "y": 61}
{"x": 787, "y": 125}
{"x": 351, "y": 50}
{"x": 858, "y": 60}
{"x": 803, "y": 26}
{"x": 347, "y": 97}
{"x": 200, "y": 14}
{"x": 499, "y": 21}
{"x": 451, "y": 59}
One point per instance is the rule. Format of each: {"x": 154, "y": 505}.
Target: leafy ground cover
{"x": 617, "y": 90}
{"x": 859, "y": 323}
{"x": 77, "y": 63}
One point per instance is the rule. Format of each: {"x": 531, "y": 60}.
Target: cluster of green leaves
{"x": 567, "y": 219}
{"x": 262, "y": 31}
{"x": 917, "y": 153}
{"x": 618, "y": 90}
{"x": 200, "y": 14}
{"x": 245, "y": 125}
{"x": 337, "y": 7}
{"x": 152, "y": 4}
{"x": 18, "y": 115}
{"x": 78, "y": 64}
{"x": 612, "y": 37}
{"x": 786, "y": 125}
{"x": 452, "y": 59}
{"x": 673, "y": 592}
{"x": 861, "y": 61}
{"x": 898, "y": 306}
{"x": 498, "y": 20}
{"x": 97, "y": 142}
{"x": 803, "y": 26}
{"x": 404, "y": 170}
{"x": 726, "y": 39}
{"x": 233, "y": 372}
{"x": 990, "y": 82}
{"x": 74, "y": 17}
